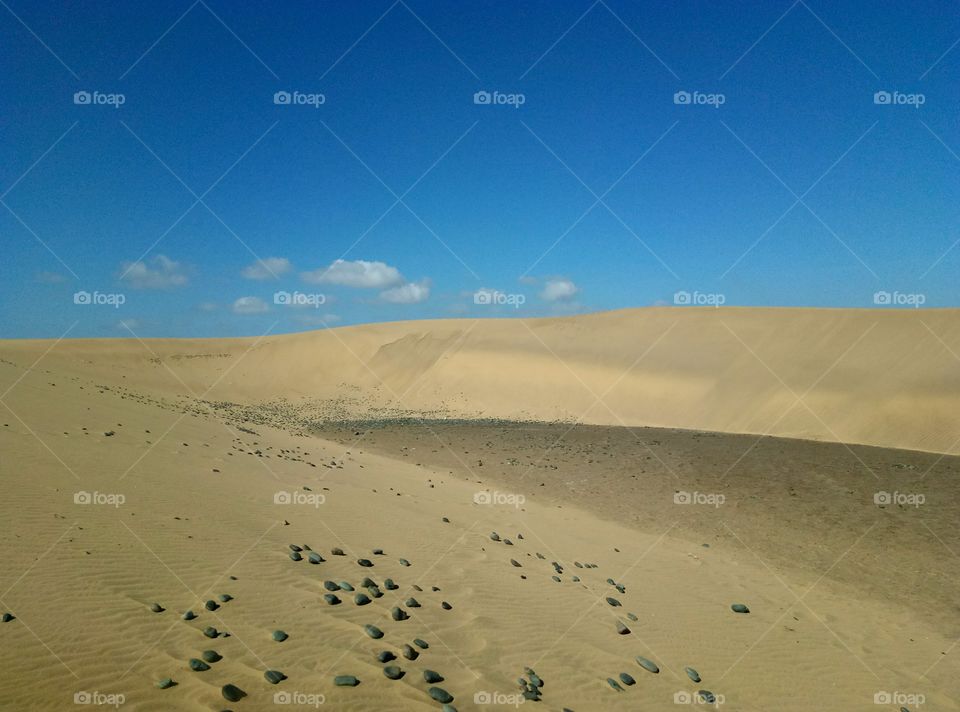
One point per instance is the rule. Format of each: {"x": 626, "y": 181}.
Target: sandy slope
{"x": 887, "y": 378}
{"x": 200, "y": 507}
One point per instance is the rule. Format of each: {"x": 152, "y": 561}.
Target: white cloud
{"x": 558, "y": 290}
{"x": 409, "y": 293}
{"x": 250, "y": 305}
{"x": 359, "y": 273}
{"x": 267, "y": 268}
{"x": 158, "y": 272}
{"x": 208, "y": 306}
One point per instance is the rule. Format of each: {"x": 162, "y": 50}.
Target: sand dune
{"x": 887, "y": 378}
{"x": 209, "y": 443}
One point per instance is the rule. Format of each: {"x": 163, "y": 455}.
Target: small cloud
{"x": 250, "y": 305}
{"x": 359, "y": 273}
{"x": 409, "y": 293}
{"x": 50, "y": 278}
{"x": 528, "y": 280}
{"x": 268, "y": 268}
{"x": 208, "y": 306}
{"x": 158, "y": 272}
{"x": 559, "y": 290}
{"x": 128, "y": 324}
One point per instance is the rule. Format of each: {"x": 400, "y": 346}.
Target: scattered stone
{"x": 393, "y": 672}
{"x": 647, "y": 665}
{"x": 508, "y": 542}
{"x": 399, "y": 614}
{"x": 412, "y": 603}
{"x": 613, "y": 601}
{"x": 432, "y": 676}
{"x": 331, "y": 599}
{"x": 189, "y": 616}
{"x": 614, "y": 684}
{"x": 345, "y": 681}
{"x": 374, "y": 591}
{"x": 279, "y": 636}
{"x": 404, "y": 562}
{"x": 692, "y": 674}
{"x": 390, "y": 585}
{"x": 274, "y": 676}
{"x": 368, "y": 582}
{"x": 409, "y": 652}
{"x": 378, "y": 552}
{"x": 157, "y": 608}
{"x": 345, "y": 586}
{"x": 361, "y": 599}
{"x": 198, "y": 665}
{"x": 373, "y": 631}
{"x": 445, "y": 606}
{"x": 421, "y": 643}
{"x": 225, "y": 597}
{"x": 294, "y": 547}
{"x": 709, "y": 697}
{"x": 211, "y": 605}
{"x": 337, "y": 551}
{"x": 315, "y": 558}
{"x": 445, "y": 520}
{"x": 165, "y": 683}
{"x": 365, "y": 562}
{"x": 622, "y": 629}
{"x": 295, "y": 556}
{"x": 516, "y": 563}
{"x": 232, "y": 693}
{"x": 627, "y": 679}
{"x": 494, "y": 536}
{"x": 632, "y": 617}
{"x": 210, "y": 632}
{"x": 385, "y": 656}
{"x": 7, "y": 617}
{"x": 739, "y": 608}
{"x": 331, "y": 586}
{"x": 440, "y": 695}
{"x": 211, "y": 656}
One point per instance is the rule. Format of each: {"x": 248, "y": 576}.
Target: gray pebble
{"x": 692, "y": 674}
{"x": 346, "y": 681}
{"x": 739, "y": 608}
{"x": 393, "y": 672}
{"x": 331, "y": 599}
{"x": 232, "y": 693}
{"x": 274, "y": 676}
{"x": 361, "y": 599}
{"x": 626, "y": 679}
{"x": 647, "y": 664}
{"x": 373, "y": 631}
{"x": 440, "y": 695}
{"x": 279, "y": 636}
{"x": 211, "y": 656}
{"x": 432, "y": 676}
{"x": 198, "y": 665}
{"x": 165, "y": 683}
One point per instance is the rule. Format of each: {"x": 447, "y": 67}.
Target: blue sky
{"x": 782, "y": 182}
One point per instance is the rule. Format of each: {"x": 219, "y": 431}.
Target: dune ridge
{"x": 889, "y": 378}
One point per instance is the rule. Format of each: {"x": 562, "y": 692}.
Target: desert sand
{"x": 696, "y": 458}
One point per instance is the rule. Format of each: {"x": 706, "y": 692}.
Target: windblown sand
{"x": 850, "y": 601}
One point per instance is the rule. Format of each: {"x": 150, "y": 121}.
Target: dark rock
{"x": 739, "y": 608}
{"x": 432, "y": 676}
{"x": 647, "y": 664}
{"x": 440, "y": 695}
{"x": 198, "y": 665}
{"x": 232, "y": 693}
{"x": 373, "y": 631}
{"x": 211, "y": 656}
{"x": 279, "y": 636}
{"x": 345, "y": 681}
{"x": 393, "y": 672}
{"x": 331, "y": 599}
{"x": 692, "y": 674}
{"x": 274, "y": 676}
